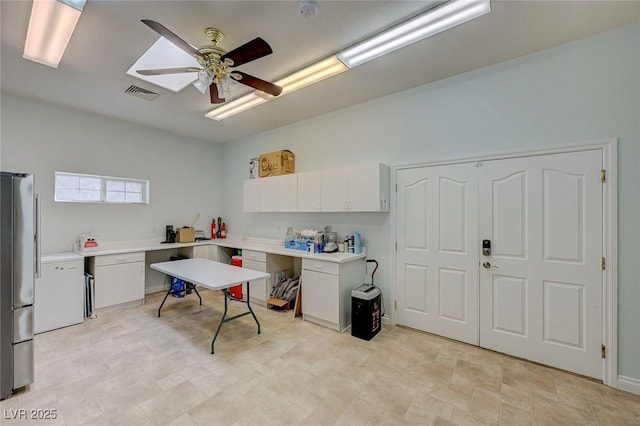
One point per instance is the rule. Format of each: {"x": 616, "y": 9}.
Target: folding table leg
{"x": 222, "y": 320}
{"x": 163, "y": 300}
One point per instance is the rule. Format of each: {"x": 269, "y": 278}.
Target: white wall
{"x": 184, "y": 173}
{"x": 583, "y": 91}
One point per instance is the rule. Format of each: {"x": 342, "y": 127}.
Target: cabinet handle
{"x": 121, "y": 259}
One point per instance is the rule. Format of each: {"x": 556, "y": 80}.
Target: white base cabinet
{"x": 119, "y": 278}
{"x": 264, "y": 262}
{"x": 256, "y": 261}
{"x": 59, "y": 295}
{"x": 326, "y": 291}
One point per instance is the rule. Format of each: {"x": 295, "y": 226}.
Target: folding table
{"x": 215, "y": 276}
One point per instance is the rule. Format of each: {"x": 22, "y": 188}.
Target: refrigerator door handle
{"x": 37, "y": 237}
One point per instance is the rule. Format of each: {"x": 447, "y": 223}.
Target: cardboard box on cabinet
{"x": 276, "y": 163}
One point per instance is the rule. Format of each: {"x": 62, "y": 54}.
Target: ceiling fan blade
{"x": 162, "y": 71}
{"x": 257, "y": 83}
{"x": 256, "y": 48}
{"x": 166, "y": 33}
{"x": 213, "y": 92}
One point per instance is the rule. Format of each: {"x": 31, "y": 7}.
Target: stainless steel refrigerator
{"x": 19, "y": 265}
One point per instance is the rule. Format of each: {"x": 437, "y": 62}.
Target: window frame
{"x": 143, "y": 184}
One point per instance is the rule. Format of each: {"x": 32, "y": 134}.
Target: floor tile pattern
{"x": 129, "y": 367}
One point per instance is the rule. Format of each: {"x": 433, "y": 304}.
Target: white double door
{"x": 538, "y": 294}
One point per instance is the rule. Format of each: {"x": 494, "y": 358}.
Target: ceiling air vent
{"x": 139, "y": 92}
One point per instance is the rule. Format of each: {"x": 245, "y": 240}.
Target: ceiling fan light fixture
{"x": 433, "y": 21}
{"x": 235, "y": 106}
{"x": 204, "y": 81}
{"x": 51, "y": 25}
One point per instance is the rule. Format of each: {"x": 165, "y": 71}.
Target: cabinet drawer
{"x": 320, "y": 266}
{"x": 114, "y": 259}
{"x": 254, "y": 255}
{"x": 254, "y": 265}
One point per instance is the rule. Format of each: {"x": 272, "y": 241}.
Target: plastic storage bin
{"x": 236, "y": 290}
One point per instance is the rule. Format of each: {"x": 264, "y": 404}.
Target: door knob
{"x": 487, "y": 265}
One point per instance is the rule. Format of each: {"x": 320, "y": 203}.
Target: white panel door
{"x": 541, "y": 287}
{"x": 437, "y": 255}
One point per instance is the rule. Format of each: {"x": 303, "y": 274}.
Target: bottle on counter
{"x": 357, "y": 243}
{"x": 290, "y": 239}
{"x": 223, "y": 230}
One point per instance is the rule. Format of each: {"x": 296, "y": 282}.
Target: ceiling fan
{"x": 216, "y": 63}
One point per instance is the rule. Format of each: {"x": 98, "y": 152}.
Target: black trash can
{"x": 365, "y": 311}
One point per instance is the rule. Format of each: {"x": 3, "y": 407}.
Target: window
{"x": 75, "y": 187}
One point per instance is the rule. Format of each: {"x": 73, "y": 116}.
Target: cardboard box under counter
{"x": 185, "y": 235}
{"x": 276, "y": 163}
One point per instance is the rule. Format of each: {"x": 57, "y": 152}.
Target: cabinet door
{"x": 286, "y": 192}
{"x": 334, "y": 191}
{"x": 364, "y": 188}
{"x": 320, "y": 297}
{"x": 258, "y": 287}
{"x": 250, "y": 194}
{"x": 201, "y": 252}
{"x": 119, "y": 283}
{"x": 267, "y": 194}
{"x": 309, "y": 191}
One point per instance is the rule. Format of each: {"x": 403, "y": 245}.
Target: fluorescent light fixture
{"x": 50, "y": 28}
{"x": 235, "y": 106}
{"x": 312, "y": 74}
{"x": 432, "y": 22}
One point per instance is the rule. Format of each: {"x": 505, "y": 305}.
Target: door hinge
{"x": 395, "y": 304}
{"x": 396, "y": 187}
{"x": 603, "y": 263}
{"x": 396, "y": 246}
{"x": 603, "y": 351}
{"x": 603, "y": 175}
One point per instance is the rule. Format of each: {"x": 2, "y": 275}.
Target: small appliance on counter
{"x": 170, "y": 235}
{"x": 330, "y": 240}
{"x": 86, "y": 241}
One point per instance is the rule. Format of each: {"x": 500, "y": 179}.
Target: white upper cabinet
{"x": 271, "y": 194}
{"x": 309, "y": 191}
{"x": 353, "y": 189}
{"x": 356, "y": 189}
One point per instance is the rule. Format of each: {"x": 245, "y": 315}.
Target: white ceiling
{"x": 110, "y": 38}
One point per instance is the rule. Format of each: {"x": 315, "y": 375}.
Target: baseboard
{"x": 629, "y": 384}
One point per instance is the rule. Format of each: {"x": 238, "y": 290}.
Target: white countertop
{"x": 118, "y": 247}
{"x": 236, "y": 242}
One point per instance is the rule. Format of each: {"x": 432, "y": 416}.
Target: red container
{"x": 236, "y": 290}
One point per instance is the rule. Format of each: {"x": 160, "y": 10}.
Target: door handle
{"x": 487, "y": 265}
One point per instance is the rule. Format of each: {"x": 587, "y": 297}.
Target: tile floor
{"x": 128, "y": 367}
